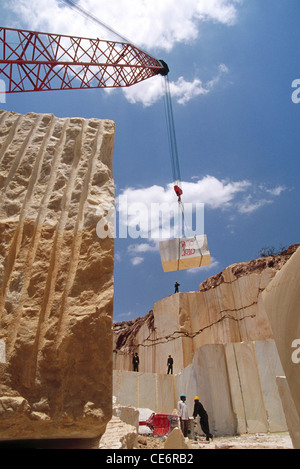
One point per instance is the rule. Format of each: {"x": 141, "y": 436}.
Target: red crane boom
{"x": 35, "y": 61}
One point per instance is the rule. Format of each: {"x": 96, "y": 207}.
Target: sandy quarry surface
{"x": 258, "y": 441}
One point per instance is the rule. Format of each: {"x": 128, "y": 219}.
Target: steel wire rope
{"x": 174, "y": 158}
{"x": 175, "y": 165}
{"x": 171, "y": 133}
{"x": 91, "y": 17}
{"x": 168, "y": 109}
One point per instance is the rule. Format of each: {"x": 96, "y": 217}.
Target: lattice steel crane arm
{"x": 36, "y": 61}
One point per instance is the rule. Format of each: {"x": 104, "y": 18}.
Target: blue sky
{"x": 232, "y": 64}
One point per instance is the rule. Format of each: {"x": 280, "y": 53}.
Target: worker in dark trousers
{"x": 177, "y": 285}
{"x": 170, "y": 364}
{"x": 135, "y": 362}
{"x": 199, "y": 410}
{"x": 183, "y": 414}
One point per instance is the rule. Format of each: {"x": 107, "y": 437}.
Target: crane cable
{"x": 172, "y": 134}
{"x": 176, "y": 171}
{"x": 173, "y": 144}
{"x": 93, "y": 18}
{"x": 174, "y": 161}
{"x": 167, "y": 95}
{"x": 169, "y": 117}
{"x": 168, "y": 108}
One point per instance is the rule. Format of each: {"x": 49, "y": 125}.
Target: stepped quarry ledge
{"x": 223, "y": 346}
{"x": 227, "y": 308}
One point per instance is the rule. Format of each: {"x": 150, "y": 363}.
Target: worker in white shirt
{"x": 183, "y": 414}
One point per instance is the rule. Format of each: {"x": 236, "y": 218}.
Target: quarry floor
{"x": 258, "y": 441}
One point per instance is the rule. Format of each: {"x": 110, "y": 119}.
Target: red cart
{"x": 161, "y": 424}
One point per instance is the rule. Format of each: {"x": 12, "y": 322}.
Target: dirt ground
{"x": 258, "y": 441}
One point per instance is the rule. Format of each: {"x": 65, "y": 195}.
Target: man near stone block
{"x": 199, "y": 410}
{"x": 183, "y": 414}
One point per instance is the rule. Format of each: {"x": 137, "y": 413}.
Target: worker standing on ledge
{"x": 177, "y": 285}
{"x": 183, "y": 414}
{"x": 170, "y": 364}
{"x": 135, "y": 362}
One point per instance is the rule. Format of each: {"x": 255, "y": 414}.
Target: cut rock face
{"x": 56, "y": 276}
{"x": 228, "y": 308}
{"x": 281, "y": 299}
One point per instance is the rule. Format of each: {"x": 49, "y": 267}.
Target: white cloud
{"x": 151, "y": 24}
{"x": 276, "y": 191}
{"x": 214, "y": 193}
{"x": 222, "y": 69}
{"x": 260, "y": 196}
{"x": 196, "y": 270}
{"x": 249, "y": 205}
{"x": 137, "y": 260}
{"x": 117, "y": 257}
{"x": 141, "y": 248}
{"x": 146, "y": 92}
{"x": 151, "y": 213}
{"x": 150, "y": 91}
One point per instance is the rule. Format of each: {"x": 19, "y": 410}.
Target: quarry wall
{"x": 228, "y": 308}
{"x": 282, "y": 299}
{"x": 235, "y": 382}
{"x": 222, "y": 343}
{"x": 56, "y": 276}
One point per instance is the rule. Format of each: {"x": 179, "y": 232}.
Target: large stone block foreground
{"x": 56, "y": 276}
